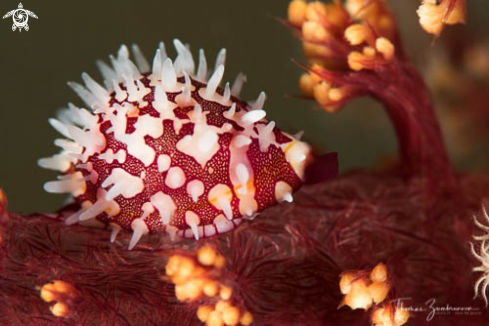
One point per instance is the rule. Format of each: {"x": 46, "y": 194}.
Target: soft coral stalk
{"x": 362, "y": 55}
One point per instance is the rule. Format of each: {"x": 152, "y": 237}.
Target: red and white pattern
{"x": 167, "y": 149}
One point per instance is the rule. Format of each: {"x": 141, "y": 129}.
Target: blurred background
{"x": 70, "y": 35}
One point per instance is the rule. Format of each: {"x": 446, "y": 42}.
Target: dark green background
{"x": 70, "y": 35}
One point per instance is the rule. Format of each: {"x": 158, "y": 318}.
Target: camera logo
{"x": 20, "y": 17}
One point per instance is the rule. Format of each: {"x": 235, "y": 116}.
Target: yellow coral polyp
{"x": 48, "y": 292}
{"x": 210, "y": 288}
{"x": 384, "y": 46}
{"x": 433, "y": 16}
{"x": 231, "y": 315}
{"x": 226, "y": 293}
{"x": 52, "y": 291}
{"x": 356, "y": 61}
{"x": 321, "y": 92}
{"x": 196, "y": 278}
{"x": 357, "y": 34}
{"x": 314, "y": 32}
{"x": 60, "y": 292}
{"x": 327, "y": 96}
{"x": 379, "y": 273}
{"x": 369, "y": 58}
{"x": 316, "y": 51}
{"x": 246, "y": 319}
{"x": 388, "y": 315}
{"x": 359, "y": 296}
{"x": 316, "y": 11}
{"x": 297, "y": 12}
{"x": 214, "y": 319}
{"x": 181, "y": 269}
{"x": 206, "y": 256}
{"x": 60, "y": 310}
{"x": 378, "y": 291}
{"x": 364, "y": 288}
{"x": 306, "y": 84}
{"x": 203, "y": 312}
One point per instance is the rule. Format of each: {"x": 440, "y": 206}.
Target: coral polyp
{"x": 165, "y": 148}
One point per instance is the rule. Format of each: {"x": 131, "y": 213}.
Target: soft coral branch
{"x": 375, "y": 65}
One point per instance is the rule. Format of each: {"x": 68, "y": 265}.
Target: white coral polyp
{"x": 482, "y": 256}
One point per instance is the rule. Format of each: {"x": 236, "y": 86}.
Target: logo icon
{"x": 20, "y": 17}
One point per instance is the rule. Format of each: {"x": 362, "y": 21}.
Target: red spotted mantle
{"x": 167, "y": 149}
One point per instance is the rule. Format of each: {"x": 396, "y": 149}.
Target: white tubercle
{"x": 84, "y": 94}
{"x": 148, "y": 209}
{"x": 195, "y": 189}
{"x": 220, "y": 197}
{"x": 136, "y": 91}
{"x": 68, "y": 146}
{"x": 296, "y": 154}
{"x": 108, "y": 74}
{"x": 94, "y": 176}
{"x": 283, "y": 192}
{"x": 266, "y": 136}
{"x": 140, "y": 59}
{"x": 229, "y": 114}
{"x": 137, "y": 147}
{"x": 226, "y": 96}
{"x": 148, "y": 126}
{"x": 124, "y": 184}
{"x": 93, "y": 141}
{"x": 84, "y": 118}
{"x": 243, "y": 176}
{"x": 115, "y": 231}
{"x": 175, "y": 177}
{"x": 258, "y": 105}
{"x": 100, "y": 93}
{"x": 209, "y": 230}
{"x": 86, "y": 166}
{"x": 110, "y": 157}
{"x": 247, "y": 205}
{"x": 100, "y": 206}
{"x": 74, "y": 183}
{"x": 119, "y": 120}
{"x": 139, "y": 229}
{"x": 186, "y": 97}
{"x": 252, "y": 117}
{"x": 73, "y": 218}
{"x": 184, "y": 60}
{"x": 238, "y": 84}
{"x": 70, "y": 115}
{"x": 59, "y": 127}
{"x": 193, "y": 220}
{"x": 165, "y": 206}
{"x": 202, "y": 69}
{"x": 225, "y": 205}
{"x": 214, "y": 82}
{"x": 223, "y": 224}
{"x": 172, "y": 232}
{"x": 162, "y": 105}
{"x": 220, "y": 59}
{"x": 241, "y": 141}
{"x": 203, "y": 144}
{"x": 156, "y": 68}
{"x": 142, "y": 92}
{"x": 123, "y": 65}
{"x": 169, "y": 76}
{"x": 299, "y": 135}
{"x": 164, "y": 162}
{"x": 58, "y": 162}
